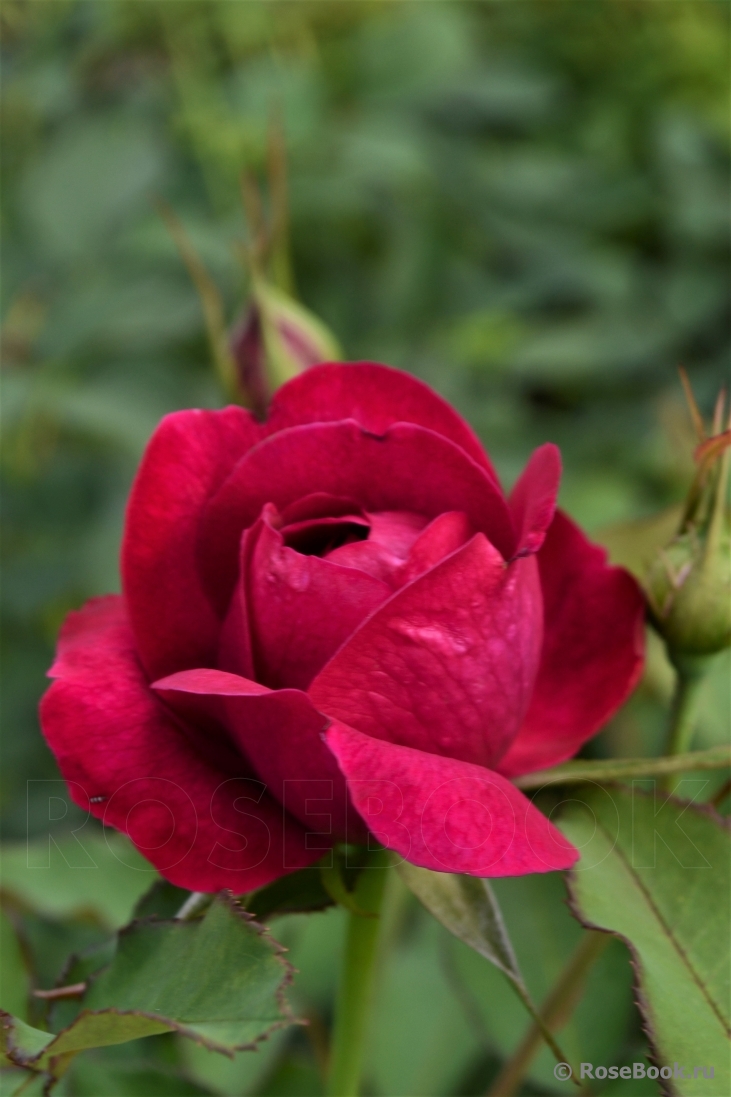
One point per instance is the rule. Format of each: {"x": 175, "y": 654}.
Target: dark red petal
{"x": 408, "y": 468}
{"x": 441, "y": 537}
{"x": 281, "y": 734}
{"x": 301, "y": 608}
{"x": 446, "y": 815}
{"x": 533, "y": 499}
{"x": 448, "y": 664}
{"x": 592, "y": 654}
{"x": 189, "y": 456}
{"x": 376, "y": 397}
{"x": 129, "y": 763}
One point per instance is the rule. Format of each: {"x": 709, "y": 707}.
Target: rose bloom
{"x": 335, "y": 627}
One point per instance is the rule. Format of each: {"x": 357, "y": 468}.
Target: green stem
{"x": 690, "y": 675}
{"x": 356, "y": 979}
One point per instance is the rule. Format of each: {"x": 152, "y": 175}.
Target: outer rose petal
{"x": 376, "y": 397}
{"x": 189, "y": 456}
{"x": 408, "y": 466}
{"x": 281, "y": 733}
{"x": 301, "y": 608}
{"x": 446, "y": 815}
{"x": 448, "y": 663}
{"x": 592, "y": 653}
{"x": 533, "y": 499}
{"x": 201, "y": 827}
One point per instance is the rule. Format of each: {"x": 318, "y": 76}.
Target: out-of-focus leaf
{"x": 292, "y": 894}
{"x": 93, "y": 874}
{"x": 634, "y": 545}
{"x": 94, "y": 1078}
{"x": 420, "y": 1041}
{"x": 172, "y": 977}
{"x": 163, "y": 900}
{"x": 14, "y": 982}
{"x": 657, "y": 874}
{"x": 87, "y": 180}
{"x": 240, "y": 1073}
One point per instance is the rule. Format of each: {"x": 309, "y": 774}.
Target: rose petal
{"x": 318, "y": 505}
{"x": 189, "y": 456}
{"x": 448, "y": 663}
{"x": 408, "y": 465}
{"x": 441, "y": 537}
{"x": 443, "y": 814}
{"x": 281, "y": 733}
{"x": 376, "y": 397}
{"x": 300, "y": 608}
{"x": 127, "y": 761}
{"x": 593, "y": 650}
{"x": 533, "y": 499}
{"x": 392, "y": 533}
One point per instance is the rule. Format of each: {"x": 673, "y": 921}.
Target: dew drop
{"x": 435, "y": 638}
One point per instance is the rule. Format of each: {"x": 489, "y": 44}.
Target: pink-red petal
{"x": 448, "y": 663}
{"x": 281, "y": 732}
{"x": 533, "y": 499}
{"x": 190, "y": 454}
{"x": 128, "y": 762}
{"x": 444, "y": 814}
{"x": 376, "y": 397}
{"x": 441, "y": 537}
{"x": 593, "y": 649}
{"x": 407, "y": 466}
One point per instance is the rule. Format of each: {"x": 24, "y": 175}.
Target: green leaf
{"x": 656, "y": 872}
{"x": 218, "y": 980}
{"x": 468, "y": 908}
{"x": 614, "y": 769}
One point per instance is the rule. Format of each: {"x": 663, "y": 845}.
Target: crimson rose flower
{"x": 335, "y": 623}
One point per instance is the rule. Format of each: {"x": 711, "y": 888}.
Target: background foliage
{"x": 526, "y": 204}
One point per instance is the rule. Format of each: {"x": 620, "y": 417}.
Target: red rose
{"x": 335, "y": 622}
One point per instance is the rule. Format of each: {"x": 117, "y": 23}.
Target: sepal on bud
{"x": 276, "y": 339}
{"x": 689, "y": 583}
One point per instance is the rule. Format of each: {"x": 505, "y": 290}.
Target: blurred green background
{"x": 525, "y": 203}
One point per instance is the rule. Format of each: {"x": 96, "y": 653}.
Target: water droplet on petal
{"x": 435, "y": 638}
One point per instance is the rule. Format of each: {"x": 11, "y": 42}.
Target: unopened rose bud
{"x": 276, "y": 339}
{"x": 689, "y": 583}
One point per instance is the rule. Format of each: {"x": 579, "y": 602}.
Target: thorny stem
{"x": 356, "y": 979}
{"x": 554, "y": 1013}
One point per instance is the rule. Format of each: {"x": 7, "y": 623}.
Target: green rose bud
{"x": 689, "y": 583}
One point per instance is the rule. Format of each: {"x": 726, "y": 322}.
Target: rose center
{"x": 323, "y": 536}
